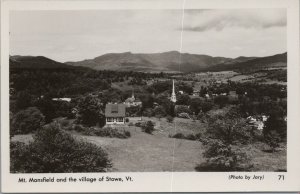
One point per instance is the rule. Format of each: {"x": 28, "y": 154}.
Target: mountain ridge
{"x": 171, "y": 61}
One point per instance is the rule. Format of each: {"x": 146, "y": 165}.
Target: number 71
{"x": 281, "y": 177}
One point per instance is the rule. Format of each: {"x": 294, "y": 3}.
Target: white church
{"x": 173, "y": 95}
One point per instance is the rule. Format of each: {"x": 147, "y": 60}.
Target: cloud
{"x": 218, "y": 20}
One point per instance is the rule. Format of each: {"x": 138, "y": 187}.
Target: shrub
{"x": 191, "y": 137}
{"x": 179, "y": 136}
{"x": 102, "y": 132}
{"x": 188, "y": 137}
{"x": 169, "y": 119}
{"x": 79, "y": 128}
{"x": 27, "y": 121}
{"x": 273, "y": 139}
{"x": 64, "y": 123}
{"x": 110, "y": 132}
{"x": 222, "y": 157}
{"x": 148, "y": 127}
{"x": 55, "y": 151}
{"x": 138, "y": 124}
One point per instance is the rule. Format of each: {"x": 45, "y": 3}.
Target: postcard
{"x": 150, "y": 96}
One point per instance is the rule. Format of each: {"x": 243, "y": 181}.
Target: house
{"x": 115, "y": 113}
{"x": 132, "y": 101}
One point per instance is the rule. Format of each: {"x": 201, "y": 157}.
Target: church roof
{"x": 131, "y": 100}
{"x": 115, "y": 110}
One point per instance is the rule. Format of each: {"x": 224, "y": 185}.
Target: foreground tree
{"x": 55, "y": 151}
{"x": 27, "y": 121}
{"x": 230, "y": 129}
{"x": 222, "y": 157}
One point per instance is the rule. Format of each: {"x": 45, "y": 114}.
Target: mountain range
{"x": 171, "y": 61}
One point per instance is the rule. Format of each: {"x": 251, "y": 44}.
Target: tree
{"x": 90, "y": 111}
{"x": 27, "y": 121}
{"x": 47, "y": 107}
{"x": 23, "y": 100}
{"x": 159, "y": 111}
{"x": 195, "y": 105}
{"x": 231, "y": 129}
{"x": 222, "y": 157}
{"x": 221, "y": 101}
{"x": 206, "y": 106}
{"x": 55, "y": 151}
{"x": 276, "y": 123}
{"x": 183, "y": 99}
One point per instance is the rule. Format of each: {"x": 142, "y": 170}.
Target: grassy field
{"x": 143, "y": 152}
{"x": 158, "y": 152}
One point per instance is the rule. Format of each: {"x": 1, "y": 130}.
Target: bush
{"x": 64, "y": 123}
{"x": 191, "y": 137}
{"x": 148, "y": 127}
{"x": 79, "y": 128}
{"x": 138, "y": 124}
{"x": 179, "y": 136}
{"x": 188, "y": 137}
{"x": 221, "y": 158}
{"x": 27, "y": 121}
{"x": 170, "y": 118}
{"x": 55, "y": 151}
{"x": 110, "y": 132}
{"x": 102, "y": 132}
{"x": 273, "y": 139}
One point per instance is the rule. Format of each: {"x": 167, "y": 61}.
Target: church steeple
{"x": 173, "y": 96}
{"x": 132, "y": 94}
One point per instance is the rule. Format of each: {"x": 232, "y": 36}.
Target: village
{"x": 139, "y": 122}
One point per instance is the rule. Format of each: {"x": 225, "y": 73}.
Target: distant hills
{"x": 167, "y": 61}
{"x": 156, "y": 62}
{"x": 279, "y": 60}
{"x": 36, "y": 62}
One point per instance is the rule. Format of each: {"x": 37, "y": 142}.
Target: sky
{"x": 78, "y": 35}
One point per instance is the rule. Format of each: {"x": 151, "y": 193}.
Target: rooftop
{"x": 115, "y": 110}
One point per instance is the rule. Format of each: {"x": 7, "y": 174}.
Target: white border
{"x": 160, "y": 181}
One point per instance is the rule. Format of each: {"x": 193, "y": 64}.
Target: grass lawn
{"x": 143, "y": 152}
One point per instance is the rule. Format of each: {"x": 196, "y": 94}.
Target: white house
{"x": 115, "y": 113}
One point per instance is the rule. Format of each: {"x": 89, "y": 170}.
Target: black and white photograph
{"x": 147, "y": 90}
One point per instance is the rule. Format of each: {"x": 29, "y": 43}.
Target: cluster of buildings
{"x": 115, "y": 113}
